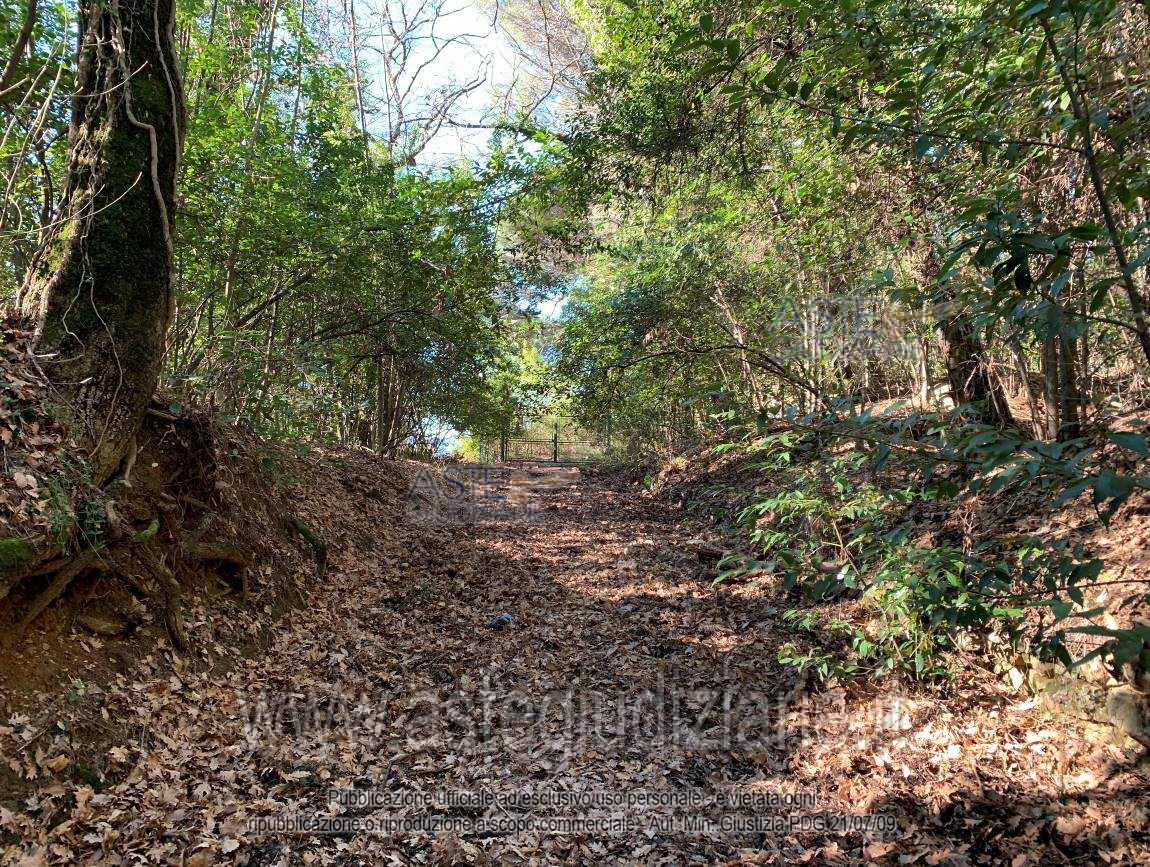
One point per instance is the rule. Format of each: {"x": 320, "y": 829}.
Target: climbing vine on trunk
{"x": 100, "y": 292}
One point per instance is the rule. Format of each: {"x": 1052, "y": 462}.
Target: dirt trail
{"x": 571, "y": 643}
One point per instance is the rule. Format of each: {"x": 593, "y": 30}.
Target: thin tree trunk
{"x": 1071, "y": 396}
{"x": 1031, "y": 397}
{"x": 968, "y": 371}
{"x": 968, "y": 368}
{"x": 1050, "y": 391}
{"x": 383, "y": 403}
{"x": 261, "y": 394}
{"x": 353, "y": 39}
{"x": 298, "y": 74}
{"x": 18, "y": 47}
{"x": 739, "y": 336}
{"x": 1082, "y": 116}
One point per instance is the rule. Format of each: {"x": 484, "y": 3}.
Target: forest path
{"x": 579, "y": 647}
{"x": 571, "y": 645}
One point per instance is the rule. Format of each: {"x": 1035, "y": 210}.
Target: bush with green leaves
{"x": 844, "y": 522}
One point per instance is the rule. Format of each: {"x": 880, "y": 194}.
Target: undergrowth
{"x": 903, "y": 541}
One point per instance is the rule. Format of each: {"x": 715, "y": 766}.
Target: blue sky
{"x": 481, "y": 49}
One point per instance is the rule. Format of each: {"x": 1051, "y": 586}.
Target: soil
{"x": 555, "y": 643}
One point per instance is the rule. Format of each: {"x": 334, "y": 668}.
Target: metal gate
{"x": 567, "y": 444}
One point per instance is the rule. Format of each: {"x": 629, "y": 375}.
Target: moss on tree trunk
{"x": 101, "y": 296}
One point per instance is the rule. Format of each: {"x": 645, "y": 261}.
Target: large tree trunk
{"x": 101, "y": 294}
{"x": 968, "y": 371}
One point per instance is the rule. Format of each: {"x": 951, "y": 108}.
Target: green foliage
{"x": 15, "y": 554}
{"x": 770, "y": 214}
{"x": 794, "y": 213}
{"x": 34, "y": 106}
{"x": 845, "y": 524}
{"x": 327, "y": 287}
{"x": 73, "y": 502}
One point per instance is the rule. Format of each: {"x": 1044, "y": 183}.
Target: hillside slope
{"x": 564, "y": 655}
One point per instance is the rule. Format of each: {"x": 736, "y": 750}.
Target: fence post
{"x": 555, "y": 445}
{"x": 505, "y": 423}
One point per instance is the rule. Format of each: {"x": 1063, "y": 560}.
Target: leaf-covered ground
{"x": 569, "y": 648}
{"x": 34, "y": 449}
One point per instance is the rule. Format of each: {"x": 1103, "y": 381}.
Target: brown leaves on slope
{"x": 33, "y": 446}
{"x": 579, "y": 652}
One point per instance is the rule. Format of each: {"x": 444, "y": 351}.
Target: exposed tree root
{"x": 222, "y": 551}
{"x": 50, "y": 594}
{"x": 129, "y": 463}
{"x": 21, "y": 559}
{"x": 169, "y": 601}
{"x": 177, "y": 525}
{"x": 318, "y": 546}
